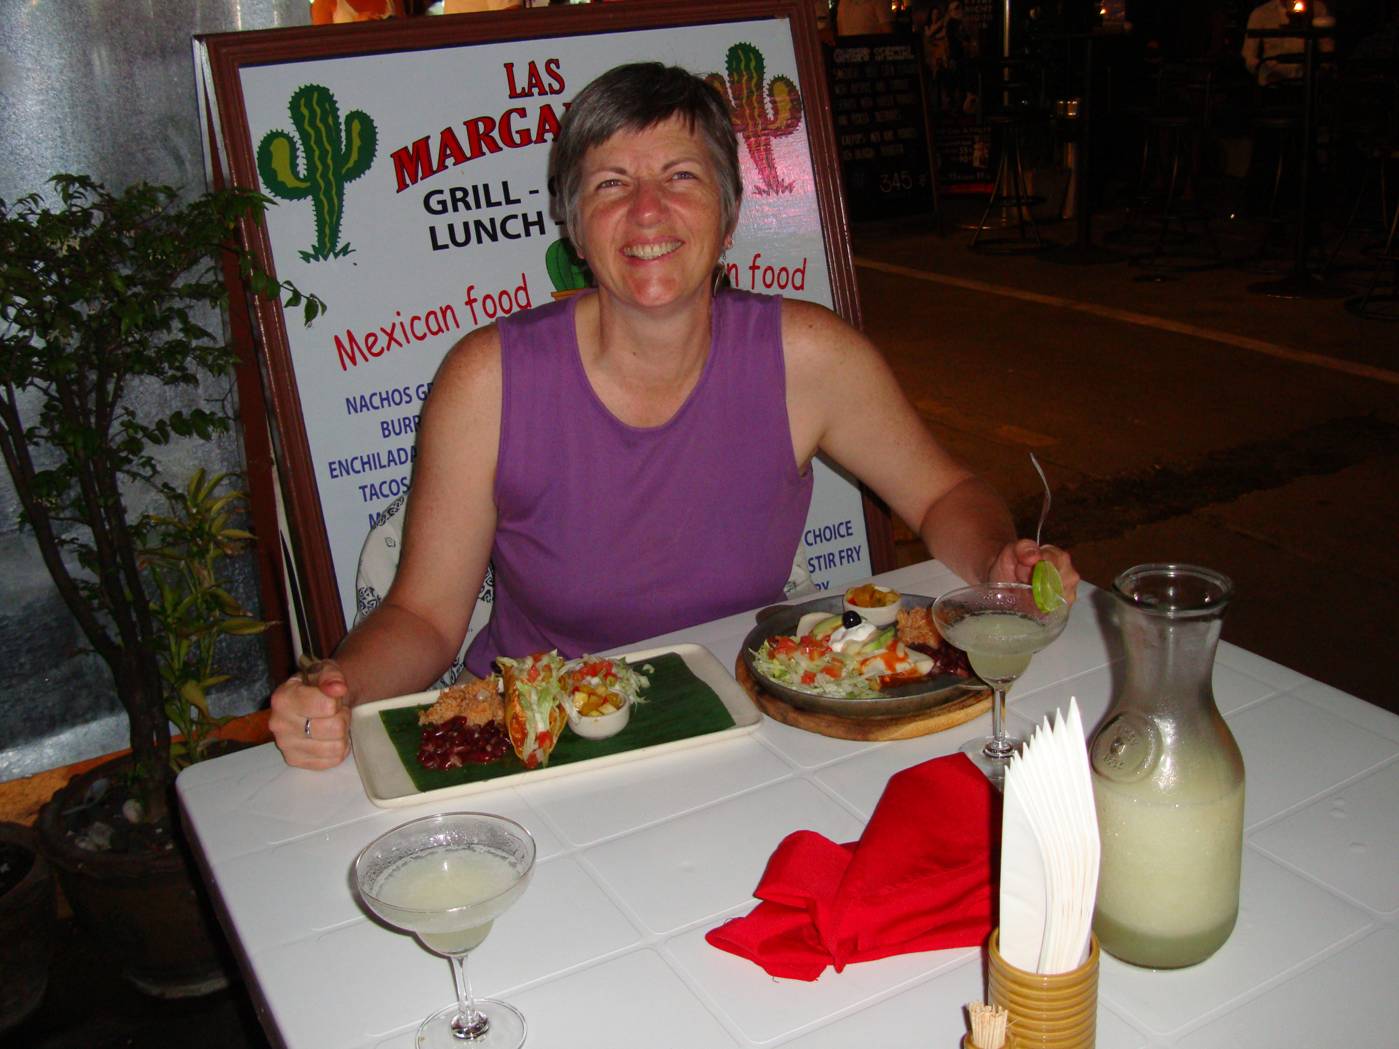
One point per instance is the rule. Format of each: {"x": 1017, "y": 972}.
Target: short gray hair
{"x": 633, "y": 98}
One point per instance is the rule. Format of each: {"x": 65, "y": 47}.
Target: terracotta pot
{"x": 149, "y": 909}
{"x": 28, "y": 928}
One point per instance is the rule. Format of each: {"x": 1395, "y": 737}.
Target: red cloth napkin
{"x": 919, "y": 879}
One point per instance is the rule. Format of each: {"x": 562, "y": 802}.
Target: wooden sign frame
{"x": 271, "y": 406}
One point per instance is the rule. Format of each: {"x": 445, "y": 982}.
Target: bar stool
{"x": 1382, "y": 303}
{"x": 1174, "y": 125}
{"x": 1282, "y": 127}
{"x": 1376, "y": 158}
{"x": 1019, "y": 111}
{"x": 1368, "y": 131}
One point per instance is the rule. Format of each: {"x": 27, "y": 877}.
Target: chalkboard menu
{"x": 881, "y": 130}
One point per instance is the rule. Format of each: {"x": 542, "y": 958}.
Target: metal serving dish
{"x": 913, "y": 698}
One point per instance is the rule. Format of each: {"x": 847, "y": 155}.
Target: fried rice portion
{"x": 478, "y": 701}
{"x": 918, "y": 631}
{"x": 916, "y": 627}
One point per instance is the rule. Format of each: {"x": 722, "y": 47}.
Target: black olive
{"x": 851, "y": 619}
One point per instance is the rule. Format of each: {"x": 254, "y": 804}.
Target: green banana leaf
{"x": 678, "y": 706}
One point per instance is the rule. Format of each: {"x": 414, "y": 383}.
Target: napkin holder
{"x": 1046, "y": 1012}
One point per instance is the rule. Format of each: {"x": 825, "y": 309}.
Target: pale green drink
{"x": 449, "y": 897}
{"x": 998, "y": 644}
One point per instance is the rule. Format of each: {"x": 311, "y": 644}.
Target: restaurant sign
{"x": 407, "y": 165}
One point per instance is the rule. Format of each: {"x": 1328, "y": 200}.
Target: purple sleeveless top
{"x": 608, "y": 533}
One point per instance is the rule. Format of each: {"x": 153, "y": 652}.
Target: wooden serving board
{"x": 900, "y": 726}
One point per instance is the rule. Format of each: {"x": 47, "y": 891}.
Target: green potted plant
{"x": 100, "y": 295}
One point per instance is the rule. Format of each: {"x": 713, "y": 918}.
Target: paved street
{"x": 1182, "y": 419}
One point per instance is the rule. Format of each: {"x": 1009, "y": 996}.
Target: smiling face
{"x": 649, "y": 215}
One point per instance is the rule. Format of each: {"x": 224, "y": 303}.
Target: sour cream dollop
{"x": 852, "y": 638}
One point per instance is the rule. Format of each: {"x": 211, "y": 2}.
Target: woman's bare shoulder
{"x": 463, "y": 406}
{"x": 814, "y": 336}
{"x": 473, "y": 364}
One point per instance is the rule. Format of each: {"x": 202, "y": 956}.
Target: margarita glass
{"x": 999, "y": 627}
{"x": 445, "y": 879}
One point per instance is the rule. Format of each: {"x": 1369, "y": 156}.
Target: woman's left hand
{"x": 1017, "y": 560}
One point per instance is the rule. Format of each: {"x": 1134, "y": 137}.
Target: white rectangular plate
{"x": 388, "y": 784}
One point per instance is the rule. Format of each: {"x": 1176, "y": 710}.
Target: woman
{"x": 637, "y": 460}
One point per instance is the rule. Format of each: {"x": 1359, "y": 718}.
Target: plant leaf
{"x": 241, "y": 626}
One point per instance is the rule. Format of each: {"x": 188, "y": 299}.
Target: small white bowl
{"x": 880, "y": 615}
{"x": 598, "y": 726}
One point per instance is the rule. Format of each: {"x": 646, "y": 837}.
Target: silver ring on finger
{"x": 306, "y": 729}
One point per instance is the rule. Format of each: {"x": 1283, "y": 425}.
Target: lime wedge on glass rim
{"x": 1047, "y": 586}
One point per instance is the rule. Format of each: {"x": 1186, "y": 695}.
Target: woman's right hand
{"x": 310, "y": 719}
{"x": 448, "y": 529}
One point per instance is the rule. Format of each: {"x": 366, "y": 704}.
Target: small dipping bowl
{"x": 867, "y": 600}
{"x": 598, "y": 726}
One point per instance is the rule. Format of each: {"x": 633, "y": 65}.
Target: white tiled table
{"x": 606, "y": 949}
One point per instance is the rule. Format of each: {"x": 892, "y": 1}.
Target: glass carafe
{"x": 1168, "y": 778}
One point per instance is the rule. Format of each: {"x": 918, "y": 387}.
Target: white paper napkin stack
{"x": 1049, "y": 850}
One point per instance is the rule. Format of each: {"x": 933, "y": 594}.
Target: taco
{"x": 535, "y": 716}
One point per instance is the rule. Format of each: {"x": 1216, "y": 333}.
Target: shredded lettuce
{"x": 788, "y": 668}
{"x": 539, "y": 697}
{"x": 851, "y": 667}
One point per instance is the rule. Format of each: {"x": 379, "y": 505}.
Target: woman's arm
{"x": 448, "y": 530}
{"x": 843, "y": 400}
{"x": 447, "y": 535}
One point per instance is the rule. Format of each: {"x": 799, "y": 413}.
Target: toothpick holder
{"x": 1046, "y": 1012}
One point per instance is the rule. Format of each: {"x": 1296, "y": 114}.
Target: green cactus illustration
{"x": 335, "y": 156}
{"x": 761, "y": 113}
{"x": 566, "y": 269}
